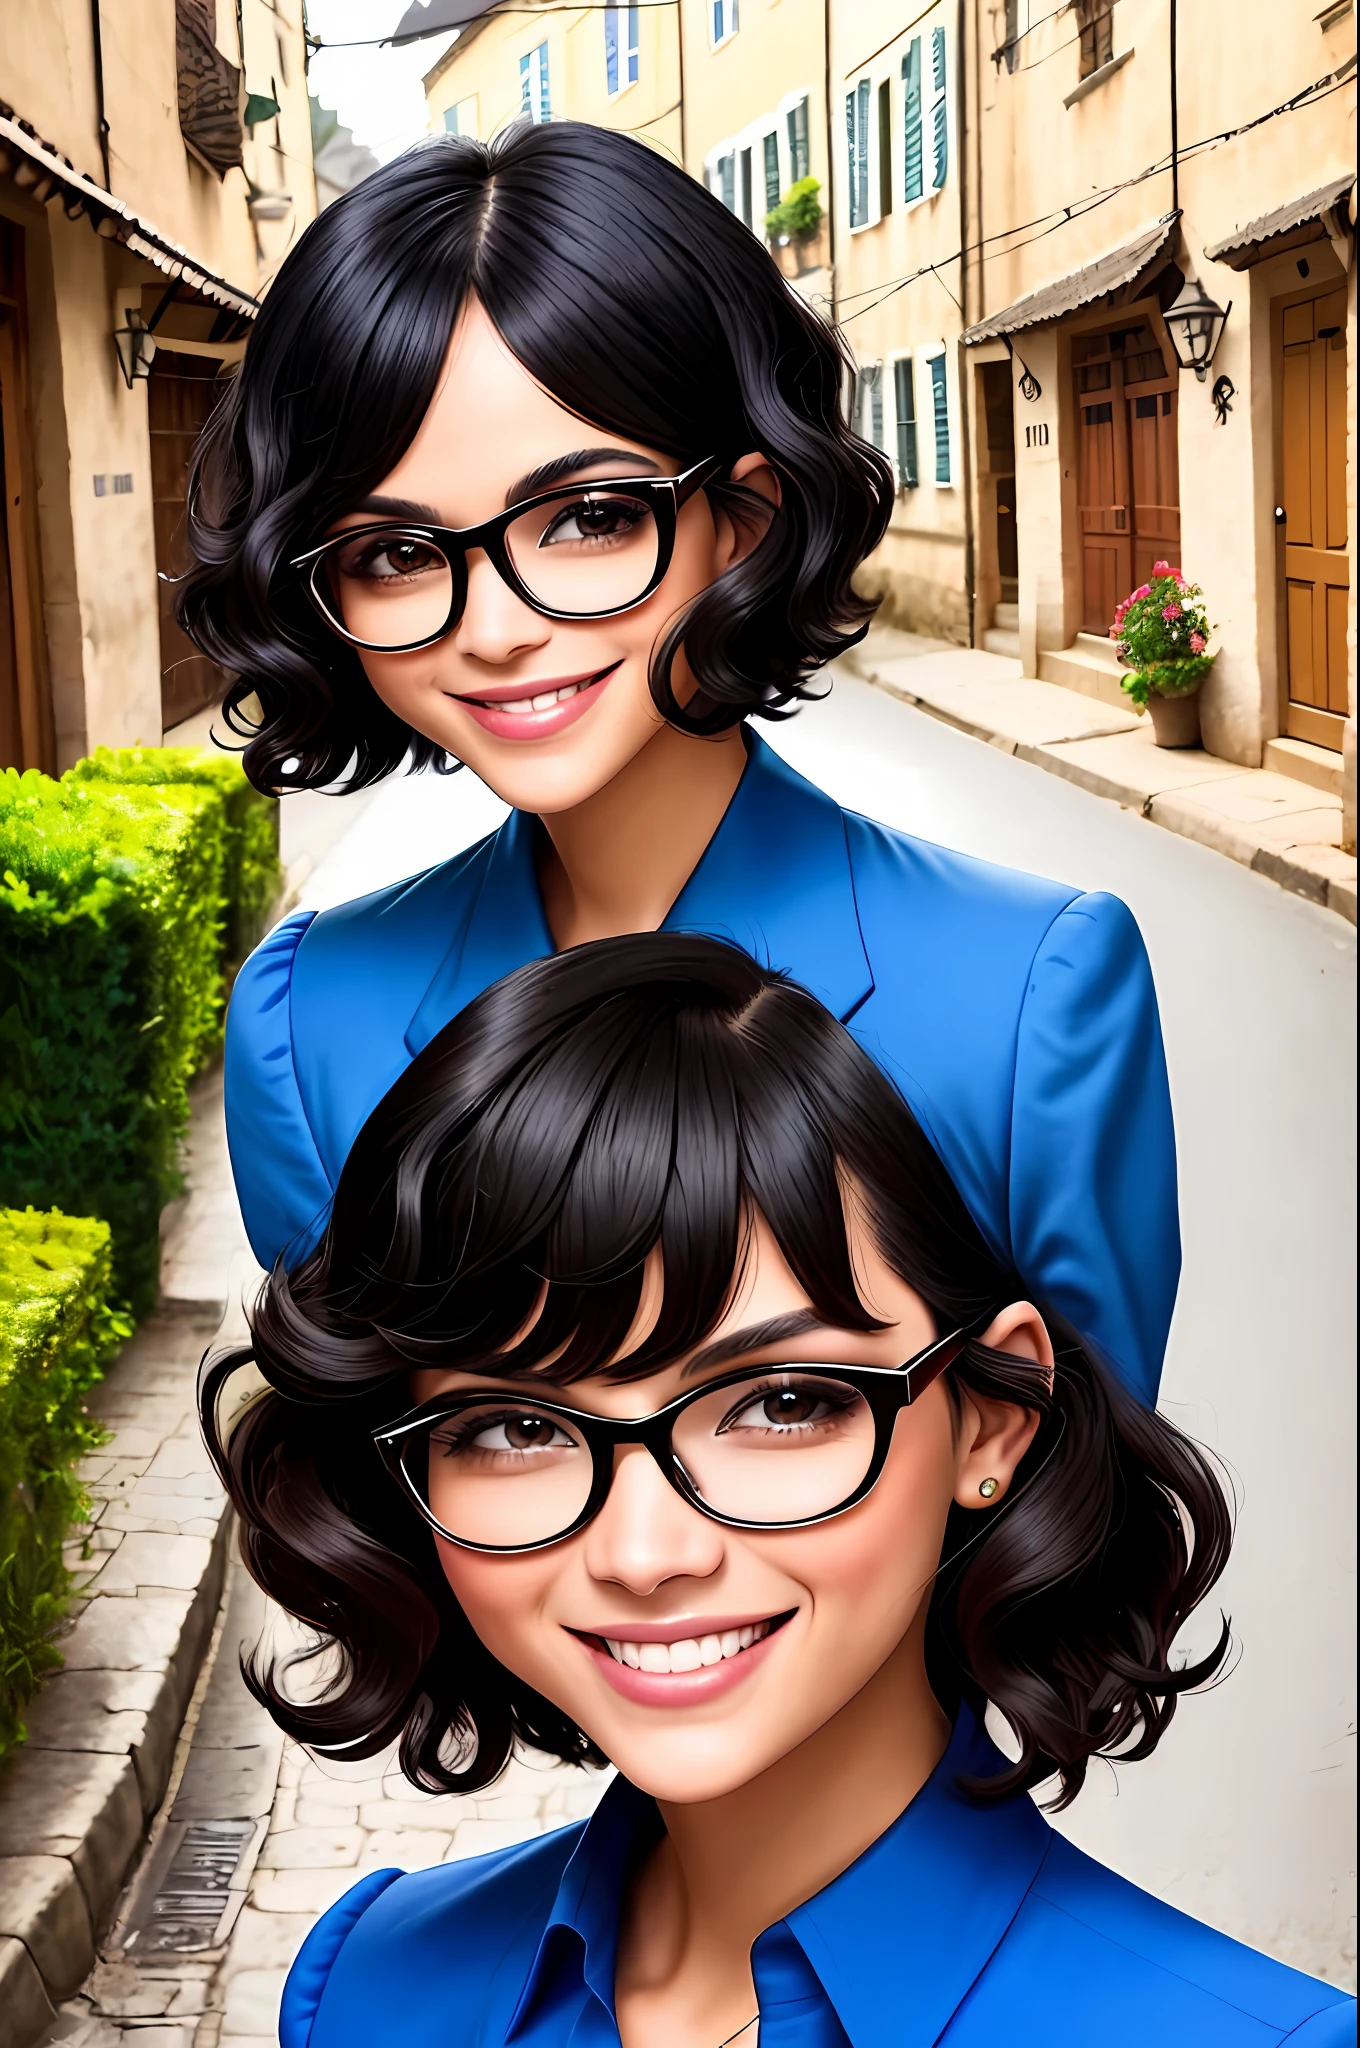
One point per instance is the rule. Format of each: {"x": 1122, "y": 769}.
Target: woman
{"x": 737, "y": 1459}
{"x": 536, "y": 464}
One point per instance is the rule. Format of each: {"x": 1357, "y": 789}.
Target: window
{"x": 939, "y": 394}
{"x": 461, "y": 118}
{"x": 722, "y": 20}
{"x": 796, "y": 123}
{"x": 620, "y": 48}
{"x": 534, "y": 97}
{"x": 857, "y": 145}
{"x": 912, "y": 182}
{"x": 884, "y": 148}
{"x": 871, "y": 403}
{"x": 744, "y": 186}
{"x": 771, "y": 149}
{"x": 725, "y": 181}
{"x": 904, "y": 395}
{"x": 1097, "y": 34}
{"x": 940, "y": 111}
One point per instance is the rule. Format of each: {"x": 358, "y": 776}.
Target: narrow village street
{"x": 1257, "y": 992}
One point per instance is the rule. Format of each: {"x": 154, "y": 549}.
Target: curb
{"x": 77, "y": 1798}
{"x": 1282, "y": 830}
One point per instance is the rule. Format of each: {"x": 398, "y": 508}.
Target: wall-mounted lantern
{"x": 1194, "y": 322}
{"x": 136, "y": 346}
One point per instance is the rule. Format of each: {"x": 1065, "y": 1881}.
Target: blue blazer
{"x": 963, "y": 1925}
{"x": 1017, "y": 1016}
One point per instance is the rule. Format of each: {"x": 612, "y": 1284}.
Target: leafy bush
{"x": 56, "y": 1330}
{"x": 251, "y": 875}
{"x": 111, "y": 902}
{"x": 798, "y": 214}
{"x": 1162, "y": 631}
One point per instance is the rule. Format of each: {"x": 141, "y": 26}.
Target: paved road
{"x": 1244, "y": 1815}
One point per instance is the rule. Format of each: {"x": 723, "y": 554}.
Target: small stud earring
{"x": 987, "y": 1488}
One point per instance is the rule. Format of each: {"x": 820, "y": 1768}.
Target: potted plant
{"x": 1161, "y": 631}
{"x": 796, "y": 222}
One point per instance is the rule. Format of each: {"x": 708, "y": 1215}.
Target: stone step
{"x": 1319, "y": 767}
{"x": 1006, "y": 616}
{"x": 1002, "y": 640}
{"x": 1089, "y": 665}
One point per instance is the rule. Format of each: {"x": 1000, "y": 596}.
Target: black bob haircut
{"x": 638, "y": 301}
{"x": 653, "y": 1092}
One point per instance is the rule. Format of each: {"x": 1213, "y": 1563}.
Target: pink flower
{"x": 1197, "y": 643}
{"x": 1116, "y": 628}
{"x": 1143, "y": 590}
{"x": 1161, "y": 568}
{"x": 1171, "y": 611}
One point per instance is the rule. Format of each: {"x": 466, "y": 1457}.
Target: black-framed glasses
{"x": 582, "y": 551}
{"x": 776, "y": 1448}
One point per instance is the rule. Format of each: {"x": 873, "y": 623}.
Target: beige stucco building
{"x": 1087, "y": 212}
{"x": 155, "y": 167}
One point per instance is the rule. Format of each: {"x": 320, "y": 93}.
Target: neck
{"x": 617, "y": 862}
{"x": 729, "y": 1868}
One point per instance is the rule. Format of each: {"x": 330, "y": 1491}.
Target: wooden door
{"x": 181, "y": 394}
{"x": 1312, "y": 409}
{"x": 1128, "y": 490}
{"x": 26, "y": 733}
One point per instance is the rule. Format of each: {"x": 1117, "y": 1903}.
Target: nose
{"x": 645, "y": 1533}
{"x": 496, "y": 624}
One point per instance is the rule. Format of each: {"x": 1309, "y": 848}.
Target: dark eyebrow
{"x": 564, "y": 466}
{"x": 755, "y": 1337}
{"x": 400, "y": 508}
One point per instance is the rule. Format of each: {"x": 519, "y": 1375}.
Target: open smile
{"x": 536, "y": 711}
{"x": 657, "y": 1664}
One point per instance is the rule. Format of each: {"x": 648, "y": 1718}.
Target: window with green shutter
{"x": 796, "y": 122}
{"x": 912, "y": 184}
{"x": 871, "y": 403}
{"x": 939, "y": 393}
{"x": 857, "y": 150}
{"x": 940, "y": 116}
{"x": 904, "y": 395}
{"x": 771, "y": 171}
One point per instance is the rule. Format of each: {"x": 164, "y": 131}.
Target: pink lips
{"x": 488, "y": 712}
{"x": 676, "y": 1688}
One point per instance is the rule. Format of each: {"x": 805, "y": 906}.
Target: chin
{"x": 683, "y": 1773}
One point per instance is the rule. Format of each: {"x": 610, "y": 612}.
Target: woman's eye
{"x": 594, "y": 519}
{"x": 787, "y": 1408}
{"x": 519, "y": 1434}
{"x": 390, "y": 557}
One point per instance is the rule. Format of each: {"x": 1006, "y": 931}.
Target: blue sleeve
{"x": 1333, "y": 2027}
{"x": 316, "y": 1958}
{"x": 280, "y": 1181}
{"x": 1093, "y": 1213}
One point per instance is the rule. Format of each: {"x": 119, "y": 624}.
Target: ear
{"x": 736, "y": 535}
{"x": 995, "y": 1435}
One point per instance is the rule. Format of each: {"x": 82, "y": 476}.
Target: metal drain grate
{"x": 186, "y": 1908}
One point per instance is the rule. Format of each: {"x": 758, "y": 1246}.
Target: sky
{"x": 376, "y": 92}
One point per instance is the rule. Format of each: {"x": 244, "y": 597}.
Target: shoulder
{"x": 458, "y": 1939}
{"x": 923, "y": 881}
{"x": 421, "y": 912}
{"x": 1108, "y": 1948}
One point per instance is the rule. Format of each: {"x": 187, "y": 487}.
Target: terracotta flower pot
{"x": 1175, "y": 720}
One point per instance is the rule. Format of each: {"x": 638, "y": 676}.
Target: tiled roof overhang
{"x": 1288, "y": 227}
{"x": 44, "y": 173}
{"x": 1113, "y": 272}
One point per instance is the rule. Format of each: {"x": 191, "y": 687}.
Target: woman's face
{"x": 491, "y": 691}
{"x": 820, "y": 1609}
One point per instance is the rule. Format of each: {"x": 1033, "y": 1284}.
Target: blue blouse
{"x": 963, "y": 1925}
{"x": 1016, "y": 1015}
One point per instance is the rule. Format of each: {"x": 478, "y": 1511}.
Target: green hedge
{"x": 56, "y": 1330}
{"x": 252, "y": 875}
{"x": 111, "y": 915}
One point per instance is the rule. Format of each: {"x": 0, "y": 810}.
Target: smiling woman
{"x": 718, "y": 1444}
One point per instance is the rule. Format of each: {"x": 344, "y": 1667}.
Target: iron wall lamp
{"x": 1194, "y": 322}
{"x": 136, "y": 346}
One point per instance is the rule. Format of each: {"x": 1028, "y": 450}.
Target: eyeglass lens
{"x": 591, "y": 552}
{"x": 779, "y": 1447}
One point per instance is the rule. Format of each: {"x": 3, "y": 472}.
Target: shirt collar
{"x": 774, "y": 880}
{"x": 895, "y": 1942}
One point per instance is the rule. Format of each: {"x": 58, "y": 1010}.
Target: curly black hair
{"x": 637, "y": 300}
{"x": 654, "y": 1092}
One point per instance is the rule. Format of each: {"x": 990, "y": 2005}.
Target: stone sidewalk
{"x": 1287, "y": 831}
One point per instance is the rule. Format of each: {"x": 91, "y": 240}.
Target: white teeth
{"x": 690, "y": 1653}
{"x": 521, "y": 707}
{"x": 570, "y": 691}
{"x": 518, "y": 709}
{"x": 546, "y": 701}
